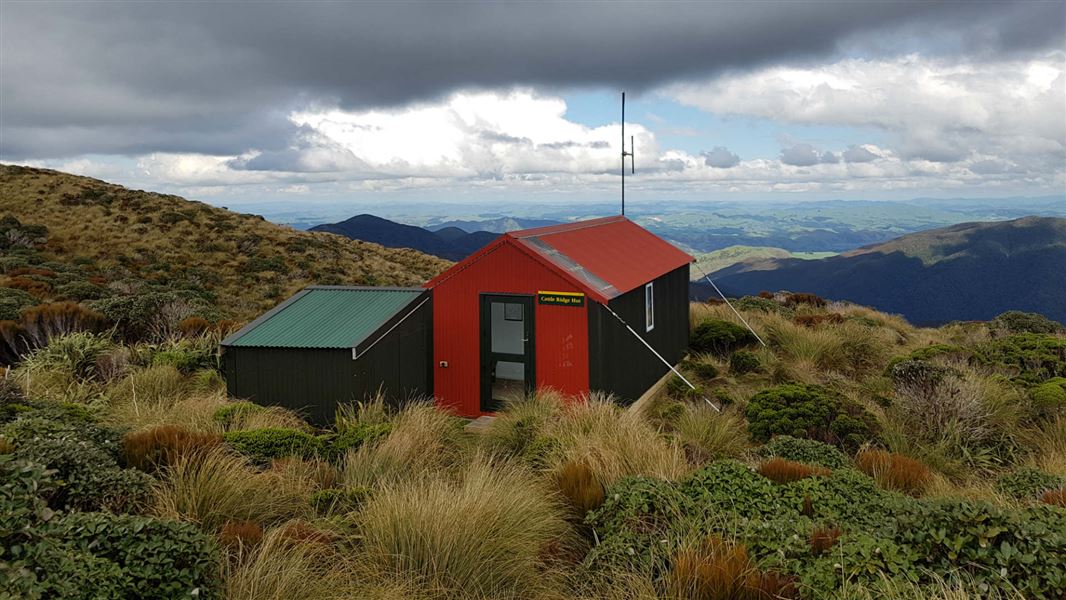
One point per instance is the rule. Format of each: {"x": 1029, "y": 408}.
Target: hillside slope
{"x": 110, "y": 240}
{"x": 450, "y": 243}
{"x": 971, "y": 271}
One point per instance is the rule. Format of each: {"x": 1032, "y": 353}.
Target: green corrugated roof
{"x": 323, "y": 317}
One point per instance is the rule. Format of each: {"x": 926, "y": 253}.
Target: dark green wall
{"x": 618, "y": 362}
{"x": 313, "y": 381}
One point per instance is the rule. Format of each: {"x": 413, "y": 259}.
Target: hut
{"x": 332, "y": 344}
{"x": 597, "y": 305}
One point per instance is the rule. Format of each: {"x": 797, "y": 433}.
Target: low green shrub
{"x": 1034, "y": 357}
{"x": 338, "y": 501}
{"x": 188, "y": 355}
{"x": 758, "y": 303}
{"x": 704, "y": 369}
{"x": 159, "y": 559}
{"x": 1016, "y": 321}
{"x": 98, "y": 556}
{"x": 234, "y": 412}
{"x": 1049, "y": 397}
{"x": 91, "y": 478}
{"x": 1028, "y": 483}
{"x": 809, "y": 411}
{"x": 810, "y": 452}
{"x": 743, "y": 361}
{"x": 720, "y": 337}
{"x": 74, "y": 353}
{"x": 264, "y": 445}
{"x": 337, "y": 445}
{"x": 13, "y": 301}
{"x": 883, "y": 534}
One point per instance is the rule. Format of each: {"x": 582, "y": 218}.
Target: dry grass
{"x": 423, "y": 439}
{"x": 718, "y": 570}
{"x": 164, "y": 444}
{"x": 578, "y": 485}
{"x": 711, "y": 435}
{"x": 280, "y": 568}
{"x": 895, "y": 471}
{"x": 823, "y": 539}
{"x": 1054, "y": 497}
{"x": 215, "y": 487}
{"x": 614, "y": 442}
{"x": 479, "y": 534}
{"x": 779, "y": 470}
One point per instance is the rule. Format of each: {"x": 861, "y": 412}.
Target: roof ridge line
{"x": 565, "y": 227}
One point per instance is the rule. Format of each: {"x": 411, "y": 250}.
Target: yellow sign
{"x": 561, "y": 298}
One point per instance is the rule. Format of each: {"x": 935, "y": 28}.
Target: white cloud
{"x": 941, "y": 111}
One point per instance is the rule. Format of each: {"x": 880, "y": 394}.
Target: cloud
{"x": 805, "y": 155}
{"x": 720, "y": 158}
{"x": 938, "y": 110}
{"x": 859, "y": 154}
{"x": 221, "y": 78}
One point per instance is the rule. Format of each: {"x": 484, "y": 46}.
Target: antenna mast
{"x": 632, "y": 164}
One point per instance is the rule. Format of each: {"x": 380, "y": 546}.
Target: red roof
{"x": 607, "y": 257}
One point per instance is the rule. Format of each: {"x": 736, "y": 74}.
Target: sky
{"x": 328, "y": 103}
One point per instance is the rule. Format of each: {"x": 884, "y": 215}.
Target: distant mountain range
{"x": 498, "y": 225}
{"x": 449, "y": 242}
{"x": 971, "y": 271}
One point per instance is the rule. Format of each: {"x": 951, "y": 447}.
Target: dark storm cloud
{"x": 220, "y": 77}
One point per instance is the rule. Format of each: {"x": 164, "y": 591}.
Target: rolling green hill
{"x": 709, "y": 262}
{"x": 971, "y": 271}
{"x": 67, "y": 237}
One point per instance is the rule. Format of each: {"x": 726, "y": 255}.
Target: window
{"x": 649, "y": 307}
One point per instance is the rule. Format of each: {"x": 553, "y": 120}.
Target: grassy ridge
{"x": 245, "y": 263}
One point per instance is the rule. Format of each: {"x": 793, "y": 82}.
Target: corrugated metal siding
{"x": 327, "y": 318}
{"x": 613, "y": 250}
{"x": 313, "y": 381}
{"x": 618, "y": 362}
{"x": 309, "y": 381}
{"x": 560, "y": 331}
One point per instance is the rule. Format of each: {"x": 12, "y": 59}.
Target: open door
{"x": 507, "y": 349}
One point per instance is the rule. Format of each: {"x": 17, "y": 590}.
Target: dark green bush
{"x": 188, "y": 357}
{"x": 720, "y": 337}
{"x": 1035, "y": 357}
{"x": 757, "y": 303}
{"x": 885, "y": 534}
{"x": 333, "y": 500}
{"x": 809, "y": 411}
{"x": 1027, "y": 483}
{"x": 1016, "y": 321}
{"x": 80, "y": 291}
{"x": 702, "y": 368}
{"x": 743, "y": 361}
{"x": 351, "y": 438}
{"x": 1049, "y": 397}
{"x": 234, "y": 412}
{"x": 264, "y": 445}
{"x": 159, "y": 559}
{"x": 809, "y": 452}
{"x": 91, "y": 478}
{"x": 12, "y": 301}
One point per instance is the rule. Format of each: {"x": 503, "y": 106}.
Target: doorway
{"x": 507, "y": 349}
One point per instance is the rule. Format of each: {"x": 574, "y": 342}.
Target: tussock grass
{"x": 614, "y": 442}
{"x": 707, "y": 434}
{"x": 423, "y": 439}
{"x": 478, "y": 534}
{"x": 215, "y": 487}
{"x": 278, "y": 568}
{"x": 895, "y": 471}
